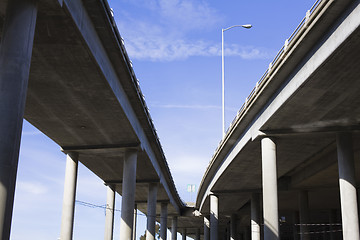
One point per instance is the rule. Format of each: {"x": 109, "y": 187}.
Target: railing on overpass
{"x": 274, "y": 65}
{"x": 136, "y": 84}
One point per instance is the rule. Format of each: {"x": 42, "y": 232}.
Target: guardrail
{"x": 136, "y": 84}
{"x": 289, "y": 43}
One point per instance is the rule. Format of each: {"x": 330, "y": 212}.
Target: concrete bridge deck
{"x": 306, "y": 99}
{"x": 82, "y": 92}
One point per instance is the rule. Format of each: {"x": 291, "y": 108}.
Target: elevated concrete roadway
{"x": 286, "y": 142}
{"x": 81, "y": 91}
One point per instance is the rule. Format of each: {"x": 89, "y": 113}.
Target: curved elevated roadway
{"x": 81, "y": 91}
{"x": 289, "y": 153}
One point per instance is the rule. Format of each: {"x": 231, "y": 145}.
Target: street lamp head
{"x": 247, "y": 26}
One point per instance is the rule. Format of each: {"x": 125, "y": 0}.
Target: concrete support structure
{"x": 206, "y": 228}
{"x": 214, "y": 217}
{"x": 197, "y": 234}
{"x": 233, "y": 223}
{"x": 227, "y": 231}
{"x": 128, "y": 195}
{"x": 348, "y": 198}
{"x": 163, "y": 220}
{"x": 247, "y": 233}
{"x": 183, "y": 234}
{"x": 332, "y": 221}
{"x": 255, "y": 216}
{"x": 151, "y": 211}
{"x": 174, "y": 228}
{"x": 295, "y": 220}
{"x": 270, "y": 195}
{"x": 67, "y": 218}
{"x": 134, "y": 222}
{"x": 304, "y": 215}
{"x": 109, "y": 214}
{"x": 15, "y": 57}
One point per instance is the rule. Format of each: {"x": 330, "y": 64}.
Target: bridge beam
{"x": 270, "y": 193}
{"x": 15, "y": 57}
{"x": 128, "y": 195}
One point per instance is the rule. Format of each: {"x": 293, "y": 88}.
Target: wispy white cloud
{"x": 167, "y": 36}
{"x": 192, "y": 107}
{"x": 34, "y": 188}
{"x": 167, "y": 49}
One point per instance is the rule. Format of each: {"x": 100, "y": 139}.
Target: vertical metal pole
{"x": 223, "y": 82}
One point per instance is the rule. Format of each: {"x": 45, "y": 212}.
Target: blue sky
{"x": 175, "y": 47}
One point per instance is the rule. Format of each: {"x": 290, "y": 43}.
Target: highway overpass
{"x": 64, "y": 68}
{"x": 288, "y": 166}
{"x": 291, "y": 154}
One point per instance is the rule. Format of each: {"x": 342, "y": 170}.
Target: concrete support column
{"x": 183, "y": 234}
{"x": 247, "y": 233}
{"x": 214, "y": 217}
{"x": 197, "y": 234}
{"x": 270, "y": 195}
{"x": 295, "y": 220}
{"x": 151, "y": 211}
{"x": 15, "y": 57}
{"x": 128, "y": 195}
{"x": 304, "y": 215}
{"x": 206, "y": 228}
{"x": 109, "y": 214}
{"x": 227, "y": 230}
{"x": 134, "y": 222}
{"x": 163, "y": 221}
{"x": 332, "y": 221}
{"x": 255, "y": 216}
{"x": 233, "y": 223}
{"x": 67, "y": 217}
{"x": 174, "y": 228}
{"x": 348, "y": 198}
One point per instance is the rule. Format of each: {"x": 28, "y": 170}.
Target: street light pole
{"x": 223, "y": 72}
